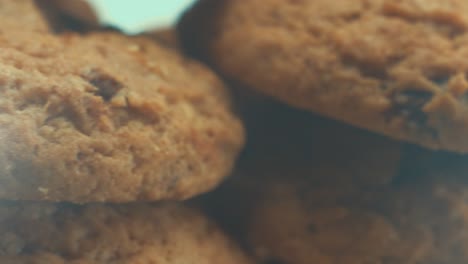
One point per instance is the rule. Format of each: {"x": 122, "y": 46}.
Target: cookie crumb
{"x": 134, "y": 48}
{"x": 43, "y": 190}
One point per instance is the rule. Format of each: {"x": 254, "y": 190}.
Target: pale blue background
{"x": 134, "y": 16}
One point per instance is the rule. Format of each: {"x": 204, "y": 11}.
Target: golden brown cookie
{"x": 69, "y": 15}
{"x": 104, "y": 117}
{"x": 165, "y": 36}
{"x": 47, "y": 16}
{"x": 22, "y": 15}
{"x": 394, "y": 67}
{"x": 416, "y": 222}
{"x": 81, "y": 10}
{"x": 40, "y": 233}
{"x": 288, "y": 144}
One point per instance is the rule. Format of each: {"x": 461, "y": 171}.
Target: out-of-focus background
{"x": 137, "y": 15}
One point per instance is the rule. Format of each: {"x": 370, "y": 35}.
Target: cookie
{"x": 80, "y": 10}
{"x": 394, "y": 67}
{"x": 283, "y": 140}
{"x": 65, "y": 16}
{"x": 286, "y": 144}
{"x": 419, "y": 222}
{"x": 22, "y": 15}
{"x": 49, "y": 16}
{"x": 92, "y": 234}
{"x": 165, "y": 36}
{"x": 105, "y": 117}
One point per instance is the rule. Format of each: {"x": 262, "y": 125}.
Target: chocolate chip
{"x": 351, "y": 17}
{"x": 409, "y": 104}
{"x": 366, "y": 68}
{"x": 106, "y": 85}
{"x": 441, "y": 80}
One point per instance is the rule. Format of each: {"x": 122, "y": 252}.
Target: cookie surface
{"x": 289, "y": 144}
{"x": 419, "y": 222}
{"x": 394, "y": 67}
{"x": 134, "y": 233}
{"x": 80, "y": 10}
{"x": 104, "y": 117}
{"x": 166, "y": 36}
{"x": 22, "y": 15}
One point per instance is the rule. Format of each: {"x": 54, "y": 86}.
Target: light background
{"x": 134, "y": 16}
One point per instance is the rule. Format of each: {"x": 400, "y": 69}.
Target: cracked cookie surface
{"x": 394, "y": 67}
{"x": 41, "y": 233}
{"x": 104, "y": 117}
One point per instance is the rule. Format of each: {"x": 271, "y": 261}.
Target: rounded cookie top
{"x": 134, "y": 233}
{"x": 104, "y": 117}
{"x": 395, "y": 67}
{"x": 23, "y": 15}
{"x": 165, "y": 36}
{"x": 304, "y": 223}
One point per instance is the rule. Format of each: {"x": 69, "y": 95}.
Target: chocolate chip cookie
{"x": 22, "y": 15}
{"x": 286, "y": 144}
{"x": 105, "y": 117}
{"x": 418, "y": 222}
{"x": 165, "y": 36}
{"x": 394, "y": 67}
{"x": 42, "y": 233}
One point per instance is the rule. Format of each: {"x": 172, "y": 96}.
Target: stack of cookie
{"x": 357, "y": 124}
{"x": 355, "y": 114}
{"x": 101, "y": 135}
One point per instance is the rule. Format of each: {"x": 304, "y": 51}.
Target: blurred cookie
{"x": 165, "y": 36}
{"x": 394, "y": 67}
{"x": 104, "y": 117}
{"x": 300, "y": 222}
{"x": 70, "y": 15}
{"x": 48, "y": 16}
{"x": 286, "y": 144}
{"x": 134, "y": 233}
{"x": 80, "y": 10}
{"x": 22, "y": 15}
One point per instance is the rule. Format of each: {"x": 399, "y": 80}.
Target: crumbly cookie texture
{"x": 104, "y": 117}
{"x": 418, "y": 223}
{"x": 395, "y": 67}
{"x": 40, "y": 233}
